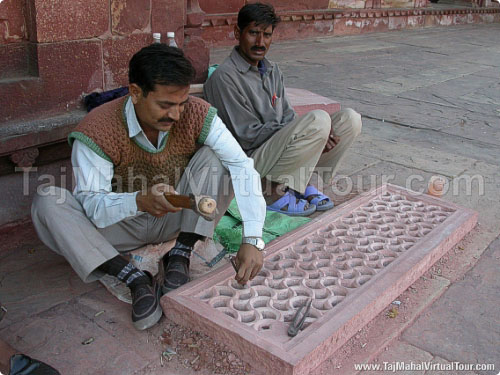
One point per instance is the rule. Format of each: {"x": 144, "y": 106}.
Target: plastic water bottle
{"x": 156, "y": 38}
{"x": 171, "y": 39}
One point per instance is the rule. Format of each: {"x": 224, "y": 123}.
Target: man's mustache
{"x": 255, "y": 48}
{"x": 169, "y": 120}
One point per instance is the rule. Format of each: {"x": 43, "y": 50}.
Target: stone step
{"x": 352, "y": 262}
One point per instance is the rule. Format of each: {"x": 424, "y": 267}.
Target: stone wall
{"x": 376, "y": 4}
{"x": 232, "y": 6}
{"x": 12, "y": 24}
{"x": 54, "y": 52}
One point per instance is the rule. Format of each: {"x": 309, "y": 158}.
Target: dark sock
{"x": 188, "y": 239}
{"x": 181, "y": 251}
{"x": 124, "y": 271}
{"x": 114, "y": 266}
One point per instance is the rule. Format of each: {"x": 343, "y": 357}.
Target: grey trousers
{"x": 63, "y": 226}
{"x": 293, "y": 153}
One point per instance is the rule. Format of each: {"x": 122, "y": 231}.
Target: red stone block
{"x": 301, "y": 30}
{"x": 30, "y": 20}
{"x": 12, "y": 24}
{"x": 347, "y": 26}
{"x": 416, "y": 21}
{"x": 221, "y": 6}
{"x": 70, "y": 68}
{"x": 66, "y": 71}
{"x": 461, "y": 19}
{"x": 304, "y": 101}
{"x": 15, "y": 58}
{"x": 351, "y": 263}
{"x": 288, "y": 5}
{"x": 220, "y": 36}
{"x": 489, "y": 17}
{"x": 398, "y": 23}
{"x": 59, "y": 20}
{"x": 198, "y": 53}
{"x": 375, "y": 25}
{"x": 446, "y": 20}
{"x": 218, "y": 21}
{"x": 129, "y": 15}
{"x": 431, "y": 20}
{"x": 117, "y": 53}
{"x": 20, "y": 100}
{"x": 169, "y": 15}
{"x": 474, "y": 18}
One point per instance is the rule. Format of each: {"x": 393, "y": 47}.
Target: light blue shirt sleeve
{"x": 245, "y": 179}
{"x": 93, "y": 176}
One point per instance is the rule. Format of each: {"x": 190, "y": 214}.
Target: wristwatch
{"x": 255, "y": 241}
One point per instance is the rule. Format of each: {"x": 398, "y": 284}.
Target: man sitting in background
{"x": 249, "y": 92}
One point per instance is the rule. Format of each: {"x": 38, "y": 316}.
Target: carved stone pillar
{"x": 195, "y": 47}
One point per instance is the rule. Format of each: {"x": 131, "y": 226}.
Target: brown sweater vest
{"x": 105, "y": 131}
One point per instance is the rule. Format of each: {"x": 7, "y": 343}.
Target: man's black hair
{"x": 159, "y": 64}
{"x": 261, "y": 14}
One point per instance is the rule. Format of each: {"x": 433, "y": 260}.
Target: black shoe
{"x": 21, "y": 364}
{"x": 146, "y": 309}
{"x": 176, "y": 272}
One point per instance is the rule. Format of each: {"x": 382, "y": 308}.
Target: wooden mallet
{"x": 201, "y": 204}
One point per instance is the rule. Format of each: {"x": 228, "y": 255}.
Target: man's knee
{"x": 321, "y": 122}
{"x": 353, "y": 118}
{"x": 208, "y": 159}
{"x": 205, "y": 171}
{"x": 46, "y": 200}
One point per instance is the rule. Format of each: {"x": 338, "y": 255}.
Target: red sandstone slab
{"x": 169, "y": 15}
{"x": 128, "y": 16}
{"x": 12, "y": 28}
{"x": 304, "y": 101}
{"x": 347, "y": 26}
{"x": 117, "y": 53}
{"x": 353, "y": 261}
{"x": 398, "y": 22}
{"x": 52, "y": 91}
{"x": 63, "y": 20}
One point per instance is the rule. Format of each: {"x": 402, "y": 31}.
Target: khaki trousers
{"x": 293, "y": 153}
{"x": 63, "y": 226}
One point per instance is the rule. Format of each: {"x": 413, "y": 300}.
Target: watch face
{"x": 260, "y": 244}
{"x": 257, "y": 242}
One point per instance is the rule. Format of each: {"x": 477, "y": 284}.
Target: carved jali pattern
{"x": 330, "y": 263}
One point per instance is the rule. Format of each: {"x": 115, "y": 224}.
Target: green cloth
{"x": 230, "y": 228}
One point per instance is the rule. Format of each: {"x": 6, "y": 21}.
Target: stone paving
{"x": 430, "y": 99}
{"x": 463, "y": 325}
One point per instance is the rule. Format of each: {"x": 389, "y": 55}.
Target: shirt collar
{"x": 134, "y": 128}
{"x": 243, "y": 66}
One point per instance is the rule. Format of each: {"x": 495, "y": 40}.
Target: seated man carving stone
{"x": 249, "y": 92}
{"x": 149, "y": 142}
